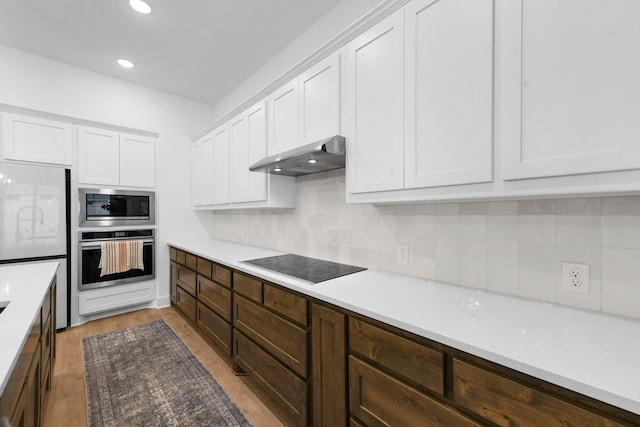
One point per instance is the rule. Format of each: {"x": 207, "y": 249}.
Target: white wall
{"x": 38, "y": 83}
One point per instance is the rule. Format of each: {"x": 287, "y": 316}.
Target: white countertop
{"x": 24, "y": 287}
{"x": 591, "y": 353}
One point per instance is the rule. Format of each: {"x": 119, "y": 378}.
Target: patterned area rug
{"x": 146, "y": 376}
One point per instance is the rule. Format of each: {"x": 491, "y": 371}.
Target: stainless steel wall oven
{"x": 109, "y": 207}
{"x": 90, "y": 252}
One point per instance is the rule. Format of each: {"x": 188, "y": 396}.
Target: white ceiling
{"x": 199, "y": 49}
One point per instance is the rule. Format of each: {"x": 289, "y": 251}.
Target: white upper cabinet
{"x": 137, "y": 161}
{"x": 221, "y": 165}
{"x": 448, "y": 82}
{"x": 248, "y": 133}
{"x": 320, "y": 100}
{"x": 284, "y": 113}
{"x": 570, "y": 90}
{"x": 98, "y": 156}
{"x": 375, "y": 107}
{"x": 196, "y": 173}
{"x": 206, "y": 170}
{"x": 36, "y": 140}
{"x": 112, "y": 158}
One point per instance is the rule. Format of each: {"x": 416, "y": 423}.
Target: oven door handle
{"x": 94, "y": 245}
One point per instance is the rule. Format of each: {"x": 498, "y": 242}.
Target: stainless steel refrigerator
{"x": 35, "y": 223}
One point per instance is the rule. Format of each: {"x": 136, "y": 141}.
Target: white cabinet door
{"x": 98, "y": 156}
{"x": 570, "y": 95}
{"x": 207, "y": 173}
{"x": 257, "y": 139}
{"x": 36, "y": 140}
{"x": 448, "y": 92}
{"x": 221, "y": 165}
{"x": 248, "y": 144}
{"x": 284, "y": 118}
{"x": 320, "y": 100}
{"x": 375, "y": 107}
{"x": 196, "y": 174}
{"x": 137, "y": 161}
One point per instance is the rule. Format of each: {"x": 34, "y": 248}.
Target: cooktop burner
{"x": 311, "y": 269}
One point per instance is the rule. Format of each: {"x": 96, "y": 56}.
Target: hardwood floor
{"x": 66, "y": 405}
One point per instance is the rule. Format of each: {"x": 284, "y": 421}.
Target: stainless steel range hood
{"x": 311, "y": 158}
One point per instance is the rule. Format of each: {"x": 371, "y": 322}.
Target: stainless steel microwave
{"x": 109, "y": 207}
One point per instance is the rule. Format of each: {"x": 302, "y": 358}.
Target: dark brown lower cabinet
{"x": 173, "y": 275}
{"x": 286, "y": 388}
{"x": 507, "y": 403}
{"x": 187, "y": 303}
{"x": 377, "y": 399}
{"x": 215, "y": 327}
{"x": 329, "y": 367}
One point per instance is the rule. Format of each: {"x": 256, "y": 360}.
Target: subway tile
{"x": 536, "y": 207}
{"x": 578, "y": 230}
{"x": 539, "y": 229}
{"x": 447, "y": 226}
{"x": 502, "y": 208}
{"x": 584, "y": 206}
{"x": 621, "y": 298}
{"x": 621, "y": 205}
{"x": 473, "y": 208}
{"x": 473, "y": 276}
{"x": 621, "y": 231}
{"x": 406, "y": 209}
{"x": 425, "y": 209}
{"x": 447, "y": 209}
{"x": 472, "y": 252}
{"x": 502, "y": 228}
{"x": 447, "y": 273}
{"x": 540, "y": 258}
{"x": 502, "y": 254}
{"x": 503, "y": 280}
{"x": 447, "y": 251}
{"x": 473, "y": 227}
{"x": 621, "y": 265}
{"x": 536, "y": 285}
{"x": 424, "y": 266}
{"x": 425, "y": 226}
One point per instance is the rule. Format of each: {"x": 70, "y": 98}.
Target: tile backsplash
{"x": 510, "y": 247}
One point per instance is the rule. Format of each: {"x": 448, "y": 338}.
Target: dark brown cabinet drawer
{"x": 286, "y": 303}
{"x": 217, "y": 297}
{"x": 173, "y": 254}
{"x": 190, "y": 261}
{"x": 506, "y": 402}
{"x": 46, "y": 340}
{"x": 378, "y": 399}
{"x": 203, "y": 267}
{"x": 286, "y": 341}
{"x": 221, "y": 275}
{"x": 186, "y": 279}
{"x": 186, "y": 303}
{"x": 247, "y": 286}
{"x": 214, "y": 327}
{"x": 410, "y": 360}
{"x": 284, "y": 387}
{"x": 181, "y": 257}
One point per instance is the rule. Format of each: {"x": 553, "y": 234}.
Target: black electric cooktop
{"x": 311, "y": 269}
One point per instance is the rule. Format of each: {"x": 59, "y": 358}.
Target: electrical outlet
{"x": 402, "y": 254}
{"x": 575, "y": 277}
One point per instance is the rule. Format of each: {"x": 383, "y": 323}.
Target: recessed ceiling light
{"x": 312, "y": 161}
{"x": 140, "y": 6}
{"x": 125, "y": 63}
